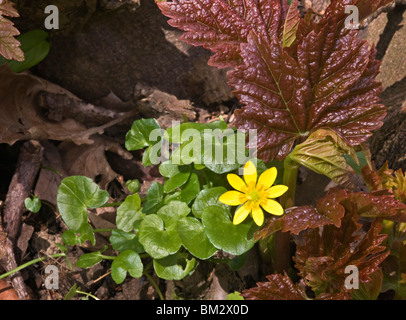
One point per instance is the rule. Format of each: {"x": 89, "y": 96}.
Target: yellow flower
{"x": 253, "y": 195}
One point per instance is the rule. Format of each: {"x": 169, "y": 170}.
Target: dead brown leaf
{"x": 7, "y": 292}
{"x": 22, "y": 120}
{"x": 90, "y": 160}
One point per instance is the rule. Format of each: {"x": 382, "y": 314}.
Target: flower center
{"x": 254, "y": 195}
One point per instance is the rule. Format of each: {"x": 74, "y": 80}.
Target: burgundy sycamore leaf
{"x": 289, "y": 84}
{"x": 281, "y": 287}
{"x": 222, "y": 25}
{"x": 331, "y": 209}
{"x": 322, "y": 255}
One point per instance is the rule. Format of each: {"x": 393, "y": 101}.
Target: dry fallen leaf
{"x": 7, "y": 292}
{"x": 90, "y": 160}
{"x": 22, "y": 120}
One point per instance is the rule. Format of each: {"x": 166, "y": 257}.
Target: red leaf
{"x": 278, "y": 287}
{"x": 293, "y": 76}
{"x": 9, "y": 46}
{"x": 222, "y": 25}
{"x": 296, "y": 219}
{"x": 323, "y": 255}
{"x": 331, "y": 84}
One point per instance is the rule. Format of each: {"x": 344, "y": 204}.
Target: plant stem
{"x": 154, "y": 284}
{"x": 87, "y": 294}
{"x": 282, "y": 239}
{"x": 29, "y": 263}
{"x": 111, "y": 204}
{"x": 103, "y": 230}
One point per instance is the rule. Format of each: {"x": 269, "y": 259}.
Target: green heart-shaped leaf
{"x": 172, "y": 212}
{"x": 226, "y": 154}
{"x": 75, "y": 195}
{"x": 128, "y": 212}
{"x": 127, "y": 261}
{"x": 122, "y": 241}
{"x": 33, "y": 205}
{"x": 158, "y": 241}
{"x": 191, "y": 189}
{"x": 194, "y": 238}
{"x": 177, "y": 180}
{"x": 155, "y": 196}
{"x": 139, "y": 135}
{"x": 174, "y": 267}
{"x": 133, "y": 185}
{"x": 206, "y": 198}
{"x": 89, "y": 259}
{"x": 79, "y": 237}
{"x": 224, "y": 235}
{"x": 35, "y": 46}
{"x": 168, "y": 169}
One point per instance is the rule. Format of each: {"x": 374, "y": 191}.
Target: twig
{"x": 28, "y": 165}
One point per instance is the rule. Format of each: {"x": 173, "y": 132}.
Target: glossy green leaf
{"x": 235, "y": 296}
{"x": 183, "y": 132}
{"x": 227, "y": 153}
{"x": 194, "y": 238}
{"x": 128, "y": 212}
{"x": 172, "y": 212}
{"x": 75, "y": 195}
{"x": 224, "y": 235}
{"x": 168, "y": 169}
{"x": 88, "y": 260}
{"x": 207, "y": 198}
{"x": 122, "y": 241}
{"x": 174, "y": 267}
{"x": 155, "y": 196}
{"x": 362, "y": 161}
{"x": 178, "y": 179}
{"x": 158, "y": 241}
{"x": 133, "y": 185}
{"x": 35, "y": 46}
{"x": 127, "y": 261}
{"x": 139, "y": 135}
{"x": 85, "y": 233}
{"x": 191, "y": 189}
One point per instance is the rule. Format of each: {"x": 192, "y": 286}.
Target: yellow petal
{"x": 241, "y": 213}
{"x": 236, "y": 182}
{"x": 276, "y": 191}
{"x": 233, "y": 198}
{"x": 272, "y": 207}
{"x": 250, "y": 174}
{"x": 257, "y": 215}
{"x": 267, "y": 178}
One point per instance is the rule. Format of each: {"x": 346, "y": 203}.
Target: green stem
{"x": 103, "y": 230}
{"x": 29, "y": 263}
{"x": 291, "y": 169}
{"x": 154, "y": 284}
{"x": 282, "y": 239}
{"x": 87, "y": 294}
{"x": 112, "y": 204}
{"x": 107, "y": 257}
